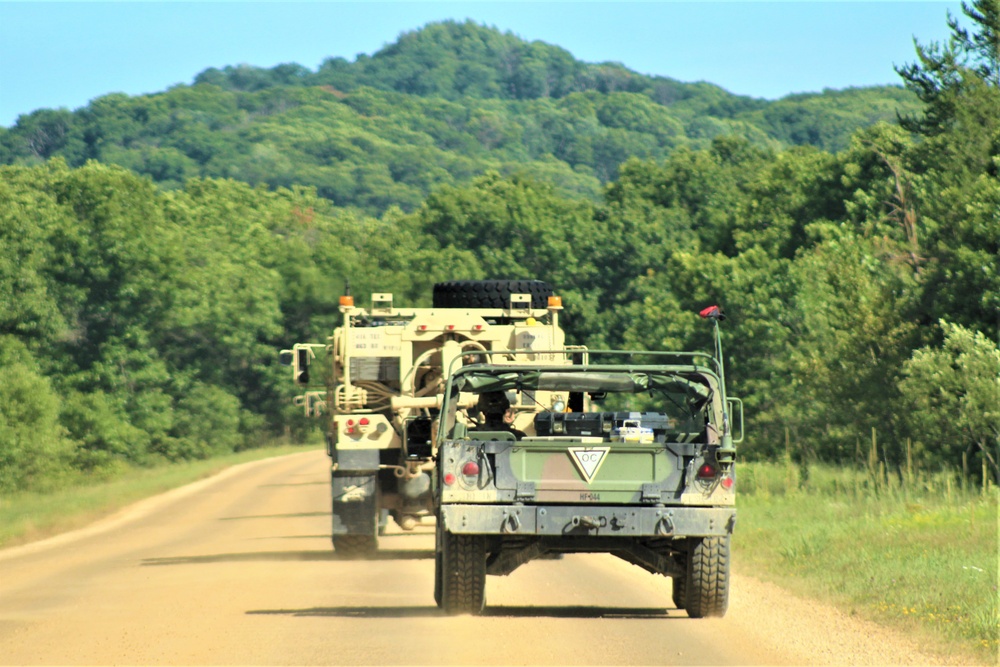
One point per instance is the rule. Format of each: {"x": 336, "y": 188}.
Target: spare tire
{"x": 489, "y": 293}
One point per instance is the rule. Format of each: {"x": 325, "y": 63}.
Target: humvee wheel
{"x": 460, "y": 580}
{"x": 678, "y": 594}
{"x": 437, "y": 577}
{"x": 707, "y": 584}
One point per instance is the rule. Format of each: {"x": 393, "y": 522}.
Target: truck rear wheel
{"x": 357, "y": 519}
{"x": 355, "y": 546}
{"x": 460, "y": 576}
{"x": 707, "y": 586}
{"x": 489, "y": 293}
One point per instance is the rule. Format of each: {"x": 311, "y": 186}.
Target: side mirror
{"x": 302, "y": 365}
{"x": 736, "y": 408}
{"x": 286, "y": 357}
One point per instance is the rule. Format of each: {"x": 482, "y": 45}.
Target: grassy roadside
{"x": 26, "y": 517}
{"x": 919, "y": 555}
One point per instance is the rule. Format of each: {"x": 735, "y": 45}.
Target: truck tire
{"x": 489, "y": 293}
{"x": 355, "y": 546}
{"x": 460, "y": 579}
{"x": 678, "y": 594}
{"x": 707, "y": 584}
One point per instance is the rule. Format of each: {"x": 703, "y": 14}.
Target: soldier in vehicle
{"x": 497, "y": 413}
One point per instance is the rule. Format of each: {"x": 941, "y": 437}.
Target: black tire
{"x": 355, "y": 546}
{"x": 460, "y": 580}
{"x": 437, "y": 577}
{"x": 707, "y": 585}
{"x": 356, "y": 523}
{"x": 678, "y": 594}
{"x": 489, "y": 293}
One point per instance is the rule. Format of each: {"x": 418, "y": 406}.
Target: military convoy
{"x": 523, "y": 447}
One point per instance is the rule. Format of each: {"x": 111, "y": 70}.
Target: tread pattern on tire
{"x": 355, "y": 546}
{"x": 363, "y": 522}
{"x": 489, "y": 293}
{"x": 707, "y": 585}
{"x": 678, "y": 593}
{"x": 463, "y": 574}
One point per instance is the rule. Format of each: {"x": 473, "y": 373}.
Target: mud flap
{"x": 355, "y": 505}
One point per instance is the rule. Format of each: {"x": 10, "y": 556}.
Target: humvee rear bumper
{"x": 590, "y": 520}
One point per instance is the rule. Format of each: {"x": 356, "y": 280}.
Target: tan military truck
{"x": 378, "y": 381}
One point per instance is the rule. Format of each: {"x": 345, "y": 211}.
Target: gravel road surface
{"x": 238, "y": 569}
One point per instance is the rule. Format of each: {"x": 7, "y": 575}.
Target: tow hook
{"x": 511, "y": 524}
{"x": 665, "y": 526}
{"x": 588, "y": 522}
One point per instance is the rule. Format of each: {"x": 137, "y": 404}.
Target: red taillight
{"x": 477, "y": 327}
{"x": 349, "y": 427}
{"x": 470, "y": 469}
{"x": 363, "y": 421}
{"x": 449, "y": 479}
{"x": 727, "y": 483}
{"x": 707, "y": 471}
{"x": 422, "y": 327}
{"x": 450, "y": 327}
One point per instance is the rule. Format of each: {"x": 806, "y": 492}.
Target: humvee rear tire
{"x": 707, "y": 584}
{"x": 489, "y": 293}
{"x": 437, "y": 577}
{"x": 460, "y": 579}
{"x": 678, "y": 594}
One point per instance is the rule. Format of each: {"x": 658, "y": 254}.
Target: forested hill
{"x": 442, "y": 104}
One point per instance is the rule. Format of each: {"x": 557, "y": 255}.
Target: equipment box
{"x": 573, "y": 423}
{"x": 643, "y": 427}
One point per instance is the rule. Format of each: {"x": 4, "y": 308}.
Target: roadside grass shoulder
{"x": 919, "y": 554}
{"x": 26, "y": 517}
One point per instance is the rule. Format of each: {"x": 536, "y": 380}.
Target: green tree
{"x": 29, "y": 222}
{"x": 34, "y": 449}
{"x": 953, "y": 396}
{"x": 944, "y": 75}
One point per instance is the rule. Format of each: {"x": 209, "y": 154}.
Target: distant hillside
{"x": 440, "y": 105}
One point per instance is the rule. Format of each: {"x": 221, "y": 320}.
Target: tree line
{"x": 142, "y": 323}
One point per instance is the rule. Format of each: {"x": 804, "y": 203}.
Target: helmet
{"x": 493, "y": 402}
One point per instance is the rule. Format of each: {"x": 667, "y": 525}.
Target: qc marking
{"x": 588, "y": 460}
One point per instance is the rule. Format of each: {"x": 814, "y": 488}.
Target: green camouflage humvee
{"x": 629, "y": 453}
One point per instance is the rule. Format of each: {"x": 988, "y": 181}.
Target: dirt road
{"x": 239, "y": 569}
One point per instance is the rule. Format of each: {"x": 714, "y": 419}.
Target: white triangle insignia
{"x": 588, "y": 460}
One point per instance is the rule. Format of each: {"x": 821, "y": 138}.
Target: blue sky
{"x": 59, "y": 54}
